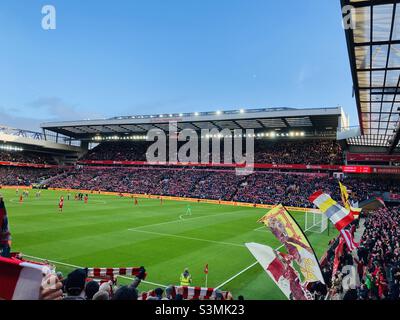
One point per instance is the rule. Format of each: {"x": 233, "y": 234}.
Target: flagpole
{"x": 206, "y": 280}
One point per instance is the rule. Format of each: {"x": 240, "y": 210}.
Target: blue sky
{"x": 109, "y": 58}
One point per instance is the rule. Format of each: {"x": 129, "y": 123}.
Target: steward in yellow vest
{"x": 186, "y": 278}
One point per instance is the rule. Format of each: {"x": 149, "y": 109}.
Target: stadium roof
{"x": 374, "y": 50}
{"x": 323, "y": 119}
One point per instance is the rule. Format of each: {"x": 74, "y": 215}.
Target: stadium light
{"x": 241, "y": 110}
{"x": 196, "y": 114}
{"x": 219, "y": 112}
{"x": 10, "y": 148}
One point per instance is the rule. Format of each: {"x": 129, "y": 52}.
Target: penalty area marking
{"x": 189, "y": 238}
{"x": 79, "y": 267}
{"x": 185, "y": 220}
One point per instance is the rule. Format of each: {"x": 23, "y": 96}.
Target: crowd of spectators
{"x": 262, "y": 187}
{"x": 26, "y": 157}
{"x": 25, "y": 176}
{"x": 77, "y": 285}
{"x": 310, "y": 152}
{"x": 376, "y": 260}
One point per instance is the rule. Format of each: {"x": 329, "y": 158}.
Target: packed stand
{"x": 377, "y": 260}
{"x": 261, "y": 187}
{"x": 24, "y": 176}
{"x": 309, "y": 152}
{"x": 26, "y": 157}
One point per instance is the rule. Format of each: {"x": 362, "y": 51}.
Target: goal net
{"x": 315, "y": 222}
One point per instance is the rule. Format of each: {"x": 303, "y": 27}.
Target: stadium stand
{"x": 377, "y": 259}
{"x": 26, "y": 157}
{"x": 260, "y": 187}
{"x": 23, "y": 176}
{"x": 299, "y": 152}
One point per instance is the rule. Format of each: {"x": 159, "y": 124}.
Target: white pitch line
{"x": 236, "y": 275}
{"x": 188, "y": 238}
{"x": 39, "y": 201}
{"x": 79, "y": 267}
{"x": 252, "y": 265}
{"x": 185, "y": 220}
{"x": 257, "y": 229}
{"x": 240, "y": 272}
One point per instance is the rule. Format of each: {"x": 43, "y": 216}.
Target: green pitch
{"x": 111, "y": 231}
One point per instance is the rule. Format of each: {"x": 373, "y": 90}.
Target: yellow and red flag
{"x": 288, "y": 232}
{"x": 345, "y": 195}
{"x": 346, "y": 201}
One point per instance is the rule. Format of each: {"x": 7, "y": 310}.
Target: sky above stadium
{"x": 111, "y": 58}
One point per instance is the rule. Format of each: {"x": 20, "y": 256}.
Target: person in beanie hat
{"x": 75, "y": 285}
{"x": 91, "y": 288}
{"x": 5, "y": 235}
{"x": 126, "y": 293}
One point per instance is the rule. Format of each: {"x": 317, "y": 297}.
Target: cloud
{"x": 42, "y": 110}
{"x": 9, "y": 120}
{"x": 54, "y": 108}
{"x": 303, "y": 75}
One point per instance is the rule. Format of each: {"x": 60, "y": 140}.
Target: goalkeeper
{"x": 188, "y": 210}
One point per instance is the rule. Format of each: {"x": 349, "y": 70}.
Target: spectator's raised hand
{"x": 51, "y": 288}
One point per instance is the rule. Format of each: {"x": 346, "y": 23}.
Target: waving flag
{"x": 338, "y": 254}
{"x": 206, "y": 269}
{"x": 381, "y": 201}
{"x": 5, "y": 235}
{"x": 20, "y": 280}
{"x": 339, "y": 216}
{"x": 287, "y": 231}
{"x": 111, "y": 272}
{"x": 279, "y": 267}
{"x": 349, "y": 239}
{"x": 344, "y": 195}
{"x": 346, "y": 201}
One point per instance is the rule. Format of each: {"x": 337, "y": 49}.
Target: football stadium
{"x": 272, "y": 203}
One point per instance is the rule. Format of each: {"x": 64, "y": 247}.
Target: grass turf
{"x": 112, "y": 232}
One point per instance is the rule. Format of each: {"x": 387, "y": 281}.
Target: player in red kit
{"x": 61, "y": 204}
{"x": 21, "y": 199}
{"x": 86, "y": 198}
{"x": 136, "y": 202}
